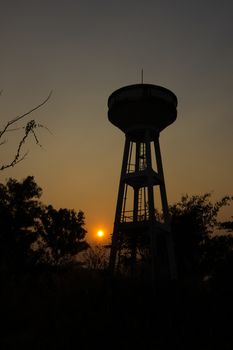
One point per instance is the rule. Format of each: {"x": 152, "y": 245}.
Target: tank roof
{"x": 132, "y": 90}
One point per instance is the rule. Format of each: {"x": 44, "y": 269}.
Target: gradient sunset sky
{"x": 83, "y": 51}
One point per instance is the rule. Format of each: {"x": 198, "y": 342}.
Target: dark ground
{"x": 81, "y": 309}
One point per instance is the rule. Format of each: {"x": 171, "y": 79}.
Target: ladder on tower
{"x": 140, "y": 205}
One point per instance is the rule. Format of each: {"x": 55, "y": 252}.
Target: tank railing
{"x": 127, "y": 216}
{"x": 131, "y": 168}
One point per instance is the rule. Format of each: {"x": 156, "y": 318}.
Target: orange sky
{"x": 84, "y": 51}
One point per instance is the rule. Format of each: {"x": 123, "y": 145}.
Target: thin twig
{"x": 24, "y": 115}
{"x": 17, "y": 158}
{"x": 29, "y": 128}
{"x": 2, "y": 142}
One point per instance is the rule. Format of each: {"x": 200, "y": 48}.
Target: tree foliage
{"x": 204, "y": 213}
{"x": 32, "y": 233}
{"x": 20, "y": 211}
{"x": 227, "y": 225}
{"x": 62, "y": 235}
{"x": 194, "y": 222}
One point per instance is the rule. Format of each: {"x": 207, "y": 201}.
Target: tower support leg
{"x": 151, "y": 207}
{"x": 135, "y": 213}
{"x": 166, "y": 215}
{"x": 113, "y": 252}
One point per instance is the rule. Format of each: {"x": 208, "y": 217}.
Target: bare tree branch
{"x": 29, "y": 128}
{"x": 3, "y": 142}
{"x": 24, "y": 115}
{"x": 17, "y": 157}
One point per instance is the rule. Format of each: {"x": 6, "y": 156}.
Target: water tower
{"x": 142, "y": 111}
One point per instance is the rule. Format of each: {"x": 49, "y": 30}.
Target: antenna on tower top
{"x": 142, "y": 76}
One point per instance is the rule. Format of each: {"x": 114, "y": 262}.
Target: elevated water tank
{"x": 142, "y": 106}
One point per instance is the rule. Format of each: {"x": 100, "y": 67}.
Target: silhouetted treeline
{"x": 34, "y": 234}
{"x": 49, "y": 302}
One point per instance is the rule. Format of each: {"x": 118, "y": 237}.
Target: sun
{"x": 100, "y": 233}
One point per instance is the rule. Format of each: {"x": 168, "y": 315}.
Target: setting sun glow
{"x": 100, "y": 233}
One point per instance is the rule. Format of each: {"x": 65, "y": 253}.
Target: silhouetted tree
{"x": 96, "y": 258}
{"x": 194, "y": 221}
{"x": 29, "y": 128}
{"x": 31, "y": 233}
{"x": 20, "y": 211}
{"x": 62, "y": 235}
{"x": 227, "y": 225}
